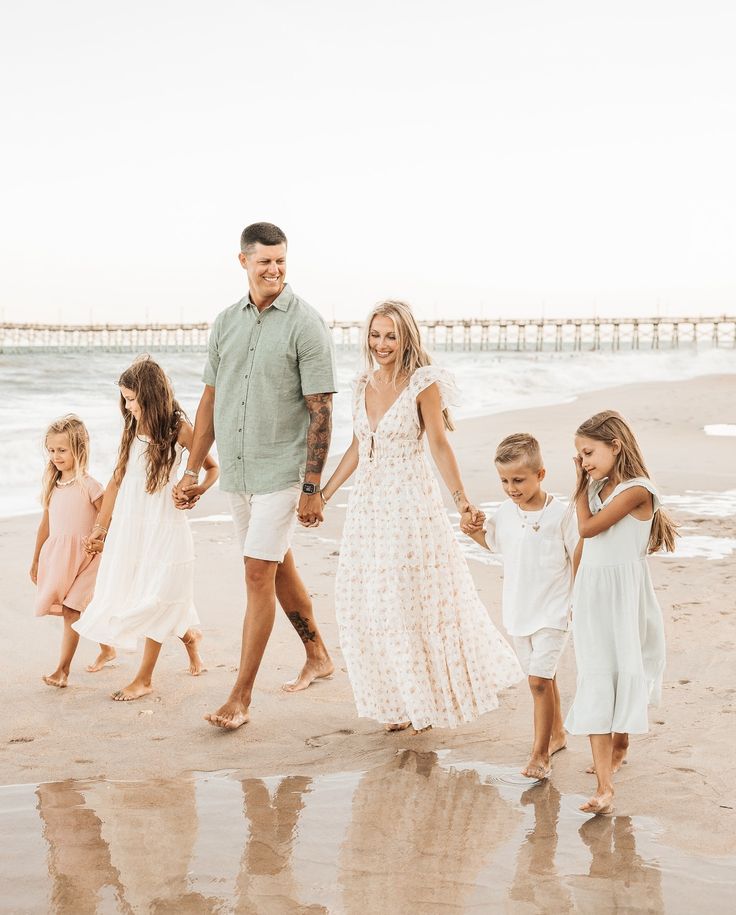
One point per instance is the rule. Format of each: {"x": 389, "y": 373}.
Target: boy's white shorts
{"x": 265, "y": 522}
{"x": 540, "y": 652}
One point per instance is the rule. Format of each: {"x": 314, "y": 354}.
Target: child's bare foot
{"x": 538, "y": 767}
{"x": 58, "y": 678}
{"x": 230, "y": 716}
{"x": 602, "y": 803}
{"x": 107, "y": 654}
{"x": 191, "y": 639}
{"x": 557, "y": 742}
{"x": 314, "y": 669}
{"x": 398, "y": 726}
{"x": 134, "y": 690}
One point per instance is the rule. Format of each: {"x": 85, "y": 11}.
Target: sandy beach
{"x": 679, "y": 774}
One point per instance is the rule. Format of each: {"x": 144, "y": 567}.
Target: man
{"x": 269, "y": 380}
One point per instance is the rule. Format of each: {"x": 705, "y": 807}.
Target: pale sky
{"x": 479, "y": 157}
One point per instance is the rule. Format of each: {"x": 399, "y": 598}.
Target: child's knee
{"x": 70, "y": 614}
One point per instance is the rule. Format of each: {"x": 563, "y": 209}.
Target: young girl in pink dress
{"x": 64, "y": 573}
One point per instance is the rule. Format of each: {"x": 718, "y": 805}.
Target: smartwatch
{"x": 310, "y": 488}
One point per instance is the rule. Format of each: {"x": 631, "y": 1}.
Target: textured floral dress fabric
{"x": 418, "y": 643}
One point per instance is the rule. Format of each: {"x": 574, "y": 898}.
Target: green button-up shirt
{"x": 261, "y": 366}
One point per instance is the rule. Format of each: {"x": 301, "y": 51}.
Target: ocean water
{"x": 38, "y": 388}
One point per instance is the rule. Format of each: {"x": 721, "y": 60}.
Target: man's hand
{"x": 309, "y": 510}
{"x": 186, "y": 495}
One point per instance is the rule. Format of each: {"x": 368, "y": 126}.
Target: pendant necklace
{"x": 537, "y": 524}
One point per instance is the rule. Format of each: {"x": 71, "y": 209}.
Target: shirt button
{"x": 252, "y": 348}
{"x": 246, "y": 376}
{"x": 240, "y": 430}
{"x": 258, "y": 322}
{"x": 242, "y": 403}
{"x": 238, "y": 457}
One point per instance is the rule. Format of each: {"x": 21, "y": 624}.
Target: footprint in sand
{"x": 21, "y": 739}
{"x": 321, "y": 740}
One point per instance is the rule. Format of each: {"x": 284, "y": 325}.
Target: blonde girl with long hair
{"x": 617, "y": 622}
{"x": 61, "y": 569}
{"x": 145, "y": 585}
{"x": 419, "y": 645}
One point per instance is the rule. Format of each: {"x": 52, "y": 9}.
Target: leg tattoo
{"x": 300, "y": 624}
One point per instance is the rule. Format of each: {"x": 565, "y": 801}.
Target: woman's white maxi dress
{"x": 145, "y": 584}
{"x": 418, "y": 643}
{"x": 617, "y": 626}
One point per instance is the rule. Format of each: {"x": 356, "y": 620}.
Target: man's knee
{"x": 259, "y": 573}
{"x": 539, "y": 685}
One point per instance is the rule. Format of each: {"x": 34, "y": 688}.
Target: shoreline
{"x": 676, "y": 771}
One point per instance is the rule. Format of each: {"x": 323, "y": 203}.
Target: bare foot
{"x": 230, "y": 716}
{"x": 107, "y": 653}
{"x": 600, "y": 803}
{"x": 557, "y": 742}
{"x": 57, "y": 678}
{"x": 537, "y": 767}
{"x": 134, "y": 690}
{"x": 398, "y": 726}
{"x": 313, "y": 670}
{"x": 191, "y": 639}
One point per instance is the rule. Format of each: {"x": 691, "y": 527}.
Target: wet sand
{"x": 675, "y": 801}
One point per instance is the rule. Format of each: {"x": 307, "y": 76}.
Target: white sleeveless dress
{"x": 617, "y": 626}
{"x": 145, "y": 583}
{"x": 418, "y": 643}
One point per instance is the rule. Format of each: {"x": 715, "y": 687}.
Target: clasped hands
{"x": 472, "y": 519}
{"x": 187, "y": 492}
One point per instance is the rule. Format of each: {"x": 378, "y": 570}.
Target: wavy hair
{"x": 412, "y": 354}
{"x": 610, "y": 427}
{"x": 78, "y": 437}
{"x": 161, "y": 419}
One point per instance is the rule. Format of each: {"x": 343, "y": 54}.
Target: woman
{"x": 419, "y": 645}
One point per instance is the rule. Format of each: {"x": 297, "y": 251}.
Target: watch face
{"x": 310, "y": 488}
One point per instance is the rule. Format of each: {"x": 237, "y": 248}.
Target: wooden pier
{"x": 476, "y": 334}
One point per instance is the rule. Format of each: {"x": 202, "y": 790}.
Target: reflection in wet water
{"x": 418, "y": 834}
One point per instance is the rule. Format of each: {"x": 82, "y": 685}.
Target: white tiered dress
{"x": 145, "y": 583}
{"x": 418, "y": 643}
{"x": 617, "y": 626}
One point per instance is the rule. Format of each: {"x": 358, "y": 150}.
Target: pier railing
{"x": 479, "y": 334}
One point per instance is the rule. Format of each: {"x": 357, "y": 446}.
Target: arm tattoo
{"x": 319, "y": 432}
{"x": 302, "y": 627}
{"x": 458, "y": 497}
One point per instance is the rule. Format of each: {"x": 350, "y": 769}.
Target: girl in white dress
{"x": 419, "y": 645}
{"x": 144, "y": 585}
{"x": 617, "y": 623}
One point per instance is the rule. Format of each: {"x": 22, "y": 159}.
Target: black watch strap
{"x": 310, "y": 488}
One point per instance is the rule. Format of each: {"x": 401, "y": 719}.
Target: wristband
{"x": 192, "y": 473}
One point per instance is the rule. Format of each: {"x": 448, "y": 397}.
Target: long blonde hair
{"x": 412, "y": 354}
{"x": 78, "y": 438}
{"x": 161, "y": 417}
{"x": 609, "y": 426}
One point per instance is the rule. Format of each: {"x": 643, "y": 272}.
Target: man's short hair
{"x": 520, "y": 447}
{"x": 263, "y": 233}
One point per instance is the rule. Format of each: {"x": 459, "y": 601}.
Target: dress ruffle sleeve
{"x": 426, "y": 375}
{"x": 594, "y": 493}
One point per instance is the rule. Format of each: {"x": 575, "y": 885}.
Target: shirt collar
{"x": 282, "y": 302}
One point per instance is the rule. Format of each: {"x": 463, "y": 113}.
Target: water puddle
{"x": 417, "y": 834}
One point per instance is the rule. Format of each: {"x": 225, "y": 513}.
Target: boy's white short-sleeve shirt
{"x": 537, "y": 565}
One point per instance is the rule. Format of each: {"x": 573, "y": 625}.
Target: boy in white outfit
{"x": 537, "y": 539}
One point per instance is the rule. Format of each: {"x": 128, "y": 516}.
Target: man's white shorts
{"x": 265, "y": 522}
{"x": 540, "y": 652}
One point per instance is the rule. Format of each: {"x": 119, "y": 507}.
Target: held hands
{"x": 472, "y": 519}
{"x": 187, "y": 492}
{"x": 95, "y": 543}
{"x": 310, "y": 509}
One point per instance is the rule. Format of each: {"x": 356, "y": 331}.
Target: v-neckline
{"x": 385, "y": 412}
